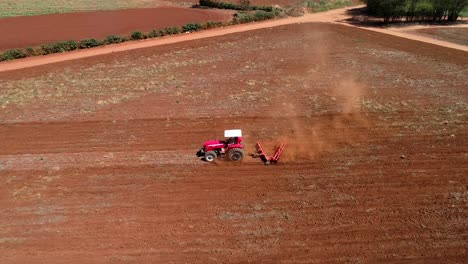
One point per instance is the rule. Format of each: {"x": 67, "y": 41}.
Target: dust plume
{"x": 319, "y": 104}
{"x": 308, "y": 137}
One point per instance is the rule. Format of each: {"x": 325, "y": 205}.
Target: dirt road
{"x": 334, "y": 16}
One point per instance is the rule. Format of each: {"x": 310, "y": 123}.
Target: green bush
{"x": 89, "y": 43}
{"x": 30, "y": 52}
{"x": 34, "y": 51}
{"x": 220, "y": 5}
{"x": 136, "y": 35}
{"x": 154, "y": 33}
{"x": 191, "y": 27}
{"x": 263, "y": 8}
{"x": 171, "y": 31}
{"x": 112, "y": 39}
{"x": 67, "y": 45}
{"x": 47, "y": 49}
{"x": 244, "y": 6}
{"x": 243, "y": 17}
{"x": 211, "y": 24}
{"x": 59, "y": 47}
{"x": 13, "y": 54}
{"x": 325, "y": 5}
{"x": 262, "y": 15}
{"x": 278, "y": 11}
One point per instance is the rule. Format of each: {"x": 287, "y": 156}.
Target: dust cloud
{"x": 340, "y": 96}
{"x": 308, "y": 137}
{"x": 335, "y": 119}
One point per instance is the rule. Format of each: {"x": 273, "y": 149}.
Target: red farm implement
{"x": 260, "y": 153}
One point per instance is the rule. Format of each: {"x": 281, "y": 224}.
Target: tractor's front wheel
{"x": 236, "y": 154}
{"x": 210, "y": 156}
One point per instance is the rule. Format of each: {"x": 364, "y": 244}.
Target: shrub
{"x": 171, "y": 31}
{"x": 112, "y": 39}
{"x": 278, "y": 12}
{"x": 154, "y": 33}
{"x": 137, "y": 35}
{"x": 244, "y": 5}
{"x": 60, "y": 46}
{"x": 162, "y": 33}
{"x": 191, "y": 27}
{"x": 30, "y": 52}
{"x": 325, "y": 5}
{"x": 66, "y": 45}
{"x": 221, "y": 5}
{"x": 243, "y": 17}
{"x": 262, "y": 15}
{"x": 13, "y": 54}
{"x": 47, "y": 49}
{"x": 263, "y": 8}
{"x": 89, "y": 43}
{"x": 33, "y": 51}
{"x": 211, "y": 24}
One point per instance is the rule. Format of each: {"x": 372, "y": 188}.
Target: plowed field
{"x": 97, "y": 159}
{"x": 455, "y": 35}
{"x": 33, "y": 31}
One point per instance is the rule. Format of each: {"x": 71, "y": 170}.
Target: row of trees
{"x": 411, "y": 10}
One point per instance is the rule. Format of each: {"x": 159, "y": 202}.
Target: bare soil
{"x": 97, "y": 157}
{"x": 32, "y": 31}
{"x": 455, "y": 35}
{"x": 339, "y": 16}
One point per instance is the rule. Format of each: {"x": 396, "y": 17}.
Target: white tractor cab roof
{"x": 233, "y": 133}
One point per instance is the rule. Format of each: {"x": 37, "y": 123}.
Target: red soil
{"x": 21, "y": 32}
{"x": 335, "y": 16}
{"x": 383, "y": 119}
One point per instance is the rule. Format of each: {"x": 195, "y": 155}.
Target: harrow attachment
{"x": 260, "y": 153}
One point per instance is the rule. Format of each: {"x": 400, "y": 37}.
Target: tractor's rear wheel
{"x": 236, "y": 154}
{"x": 210, "y": 156}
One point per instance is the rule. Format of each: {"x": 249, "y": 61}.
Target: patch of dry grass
{"x": 12, "y": 8}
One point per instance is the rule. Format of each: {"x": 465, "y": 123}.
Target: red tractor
{"x": 231, "y": 147}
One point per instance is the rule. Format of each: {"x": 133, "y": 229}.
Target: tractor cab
{"x": 234, "y": 137}
{"x": 233, "y": 140}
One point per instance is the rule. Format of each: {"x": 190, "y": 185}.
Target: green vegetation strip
{"x": 325, "y": 5}
{"x": 243, "y": 6}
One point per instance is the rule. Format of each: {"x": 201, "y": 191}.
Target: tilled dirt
{"x": 97, "y": 158}
{"x": 33, "y": 31}
{"x": 457, "y": 35}
{"x": 338, "y": 16}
